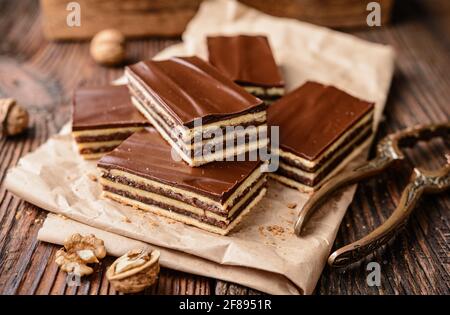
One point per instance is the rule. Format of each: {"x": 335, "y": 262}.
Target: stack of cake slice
{"x": 178, "y": 94}
{"x": 248, "y": 61}
{"x": 102, "y": 117}
{"x": 142, "y": 173}
{"x": 319, "y": 127}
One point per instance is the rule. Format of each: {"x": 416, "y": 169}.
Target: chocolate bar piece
{"x": 102, "y": 117}
{"x": 248, "y": 61}
{"x": 176, "y": 94}
{"x": 142, "y": 173}
{"x": 320, "y": 126}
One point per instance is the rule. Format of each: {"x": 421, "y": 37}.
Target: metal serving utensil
{"x": 388, "y": 153}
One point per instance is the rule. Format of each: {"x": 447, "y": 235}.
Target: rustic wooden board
{"x": 42, "y": 76}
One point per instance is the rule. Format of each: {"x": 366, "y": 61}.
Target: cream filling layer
{"x": 252, "y": 133}
{"x": 100, "y": 144}
{"x": 250, "y": 180}
{"x": 258, "y": 90}
{"x": 104, "y": 132}
{"x": 179, "y": 204}
{"x": 189, "y": 133}
{"x": 336, "y": 155}
{"x": 197, "y": 161}
{"x": 312, "y": 163}
{"x": 185, "y": 219}
{"x": 92, "y": 156}
{"x": 292, "y": 183}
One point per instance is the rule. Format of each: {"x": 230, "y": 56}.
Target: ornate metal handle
{"x": 420, "y": 182}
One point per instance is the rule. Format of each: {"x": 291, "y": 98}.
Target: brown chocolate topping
{"x": 313, "y": 117}
{"x": 245, "y": 60}
{"x": 190, "y": 88}
{"x": 146, "y": 154}
{"x": 104, "y": 107}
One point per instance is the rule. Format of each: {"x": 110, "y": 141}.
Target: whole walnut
{"x": 13, "y": 117}
{"x": 108, "y": 47}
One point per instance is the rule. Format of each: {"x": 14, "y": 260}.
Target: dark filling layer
{"x": 329, "y": 155}
{"x": 323, "y": 173}
{"x": 110, "y": 137}
{"x": 206, "y": 119}
{"x": 97, "y": 150}
{"x": 167, "y": 193}
{"x": 201, "y": 218}
{"x": 264, "y": 96}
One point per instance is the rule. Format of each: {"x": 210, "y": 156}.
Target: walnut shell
{"x": 108, "y": 47}
{"x": 79, "y": 251}
{"x": 13, "y": 117}
{"x": 134, "y": 277}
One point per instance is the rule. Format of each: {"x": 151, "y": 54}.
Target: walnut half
{"x": 134, "y": 271}
{"x": 79, "y": 251}
{"x": 13, "y": 117}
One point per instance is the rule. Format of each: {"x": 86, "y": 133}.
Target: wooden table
{"x": 42, "y": 76}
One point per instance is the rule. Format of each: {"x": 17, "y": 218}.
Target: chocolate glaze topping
{"x": 104, "y": 107}
{"x": 146, "y": 154}
{"x": 190, "y": 88}
{"x": 247, "y": 60}
{"x": 313, "y": 117}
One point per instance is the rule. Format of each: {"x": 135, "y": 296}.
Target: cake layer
{"x": 104, "y": 107}
{"x": 207, "y": 226}
{"x": 247, "y": 60}
{"x": 147, "y": 104}
{"x": 292, "y": 183}
{"x": 188, "y": 88}
{"x": 183, "y": 144}
{"x": 109, "y": 134}
{"x": 182, "y": 195}
{"x": 302, "y": 183}
{"x": 314, "y": 178}
{"x": 170, "y": 204}
{"x": 147, "y": 155}
{"x": 361, "y": 127}
{"x": 264, "y": 93}
{"x": 326, "y": 114}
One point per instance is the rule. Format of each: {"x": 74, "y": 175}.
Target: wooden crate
{"x": 331, "y": 13}
{"x": 135, "y": 18}
{"x": 138, "y": 18}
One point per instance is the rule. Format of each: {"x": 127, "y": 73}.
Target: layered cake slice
{"x": 142, "y": 173}
{"x": 248, "y": 61}
{"x": 102, "y": 117}
{"x": 191, "y": 105}
{"x": 320, "y": 126}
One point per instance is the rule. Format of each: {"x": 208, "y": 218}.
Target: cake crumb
{"x": 38, "y": 221}
{"x": 92, "y": 177}
{"x": 18, "y": 215}
{"x": 261, "y": 231}
{"x": 276, "y": 230}
{"x": 126, "y": 220}
{"x": 291, "y": 205}
{"x": 62, "y": 216}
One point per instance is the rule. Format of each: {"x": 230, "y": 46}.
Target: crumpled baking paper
{"x": 262, "y": 252}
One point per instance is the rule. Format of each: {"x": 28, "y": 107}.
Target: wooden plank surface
{"x": 42, "y": 76}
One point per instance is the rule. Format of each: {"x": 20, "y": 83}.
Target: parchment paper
{"x": 262, "y": 252}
